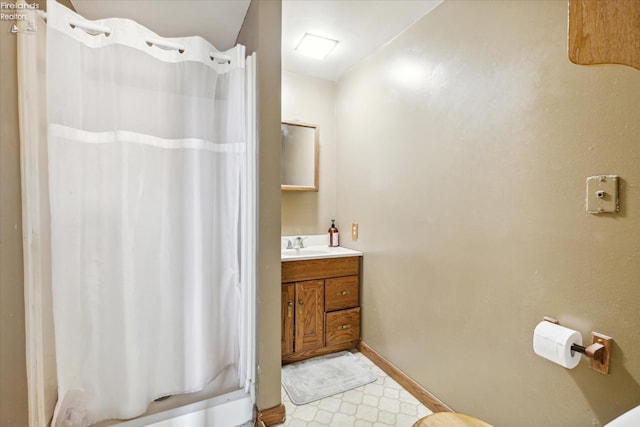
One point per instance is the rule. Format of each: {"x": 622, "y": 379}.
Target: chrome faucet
{"x": 298, "y": 243}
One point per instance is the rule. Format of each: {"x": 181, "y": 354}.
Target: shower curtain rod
{"x": 151, "y": 41}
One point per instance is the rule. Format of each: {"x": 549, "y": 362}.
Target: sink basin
{"x": 316, "y": 252}
{"x": 315, "y": 247}
{"x": 306, "y": 251}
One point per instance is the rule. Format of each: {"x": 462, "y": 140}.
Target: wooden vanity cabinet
{"x": 309, "y": 323}
{"x": 320, "y": 307}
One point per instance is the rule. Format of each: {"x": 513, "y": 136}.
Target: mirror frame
{"x": 316, "y": 158}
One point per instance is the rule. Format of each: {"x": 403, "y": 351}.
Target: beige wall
{"x": 463, "y": 148}
{"x": 311, "y": 100}
{"x": 261, "y": 33}
{"x": 13, "y": 387}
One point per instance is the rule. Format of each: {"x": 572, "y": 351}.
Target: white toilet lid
{"x": 630, "y": 418}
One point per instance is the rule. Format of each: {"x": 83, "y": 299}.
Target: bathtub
{"x": 228, "y": 410}
{"x": 219, "y": 404}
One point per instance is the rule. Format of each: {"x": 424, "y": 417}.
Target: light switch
{"x": 354, "y": 230}
{"x": 602, "y": 194}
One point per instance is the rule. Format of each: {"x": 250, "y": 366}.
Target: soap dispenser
{"x": 334, "y": 236}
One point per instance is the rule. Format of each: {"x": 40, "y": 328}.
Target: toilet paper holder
{"x": 599, "y": 351}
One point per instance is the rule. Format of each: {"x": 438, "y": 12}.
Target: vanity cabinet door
{"x": 309, "y": 305}
{"x": 287, "y": 314}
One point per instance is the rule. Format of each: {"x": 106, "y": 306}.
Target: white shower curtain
{"x": 150, "y": 198}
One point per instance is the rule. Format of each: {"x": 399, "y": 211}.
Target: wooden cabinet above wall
{"x": 604, "y": 32}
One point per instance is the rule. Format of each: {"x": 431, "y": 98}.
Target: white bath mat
{"x": 324, "y": 376}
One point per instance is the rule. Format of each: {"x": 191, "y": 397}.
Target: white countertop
{"x": 315, "y": 247}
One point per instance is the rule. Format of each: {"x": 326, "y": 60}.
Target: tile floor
{"x": 381, "y": 403}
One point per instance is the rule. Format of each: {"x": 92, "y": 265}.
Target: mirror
{"x": 300, "y": 145}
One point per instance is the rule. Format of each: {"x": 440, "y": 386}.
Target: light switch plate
{"x": 602, "y": 194}
{"x": 354, "y": 230}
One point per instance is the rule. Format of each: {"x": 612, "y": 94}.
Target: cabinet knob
{"x": 290, "y": 304}
{"x": 343, "y": 327}
{"x": 300, "y": 302}
{"x": 344, "y": 293}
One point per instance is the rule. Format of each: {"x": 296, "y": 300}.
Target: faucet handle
{"x": 300, "y": 242}
{"x": 289, "y": 244}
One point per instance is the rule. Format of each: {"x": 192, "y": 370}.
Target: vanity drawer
{"x": 340, "y": 293}
{"x": 342, "y": 326}
{"x": 295, "y": 271}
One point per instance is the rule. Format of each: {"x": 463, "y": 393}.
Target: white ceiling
{"x": 361, "y": 26}
{"x": 217, "y": 21}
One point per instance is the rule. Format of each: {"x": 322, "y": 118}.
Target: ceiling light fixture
{"x": 315, "y": 46}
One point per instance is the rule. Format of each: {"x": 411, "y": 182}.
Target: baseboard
{"x": 270, "y": 416}
{"x": 419, "y": 392}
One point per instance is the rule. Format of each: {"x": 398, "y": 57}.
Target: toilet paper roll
{"x": 553, "y": 342}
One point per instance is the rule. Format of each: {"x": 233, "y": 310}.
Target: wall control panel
{"x": 602, "y": 194}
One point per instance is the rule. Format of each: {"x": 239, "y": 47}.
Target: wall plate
{"x": 602, "y": 194}
{"x": 606, "y": 342}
